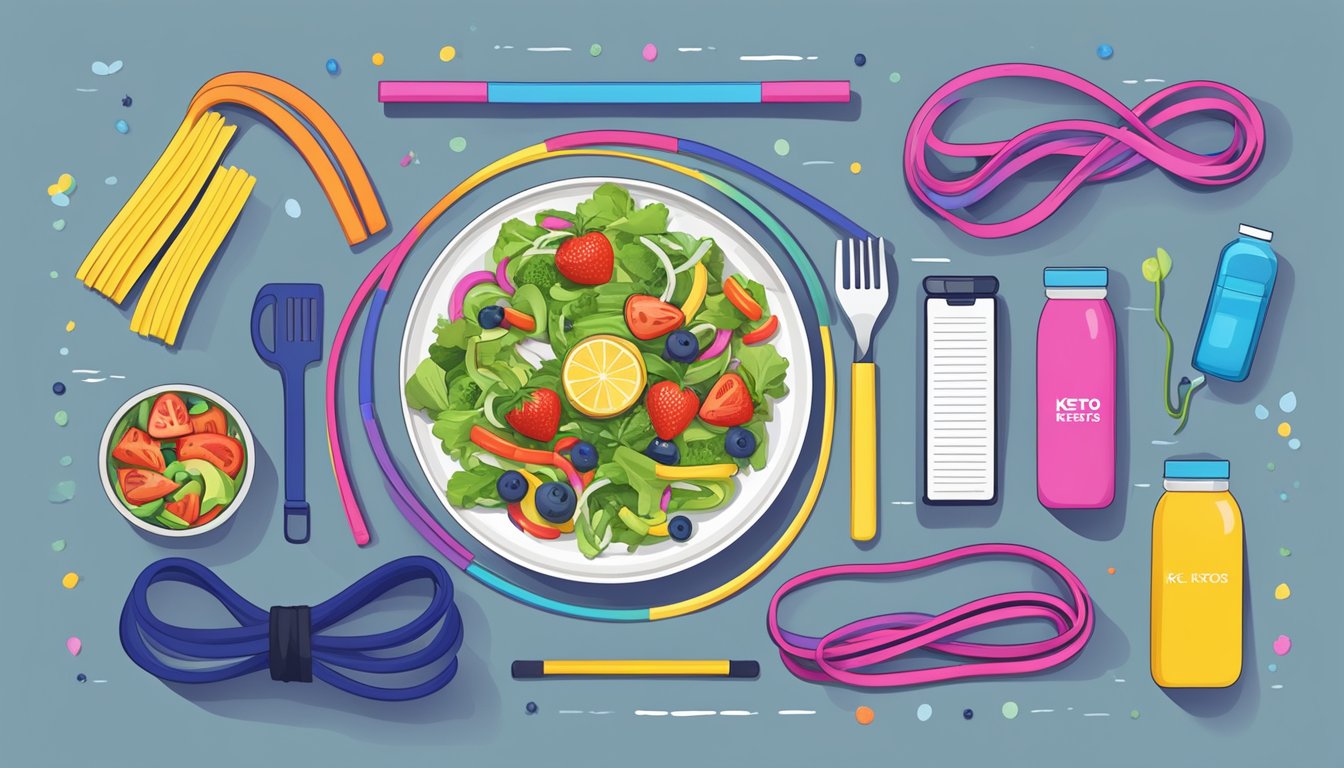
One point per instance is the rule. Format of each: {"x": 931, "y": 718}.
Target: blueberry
{"x": 512, "y": 486}
{"x": 555, "y": 502}
{"x": 663, "y": 451}
{"x": 531, "y": 707}
{"x": 583, "y": 456}
{"x": 679, "y": 528}
{"x": 491, "y": 316}
{"x": 126, "y": 101}
{"x": 81, "y": 677}
{"x": 860, "y": 59}
{"x": 58, "y": 388}
{"x": 968, "y": 713}
{"x": 739, "y": 443}
{"x": 682, "y": 347}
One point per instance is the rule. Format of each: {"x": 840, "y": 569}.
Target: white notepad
{"x": 960, "y": 462}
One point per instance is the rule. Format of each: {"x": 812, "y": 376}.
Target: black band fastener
{"x": 291, "y": 653}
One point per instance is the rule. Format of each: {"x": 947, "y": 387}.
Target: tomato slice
{"x": 213, "y": 421}
{"x": 648, "y": 317}
{"x": 728, "y": 403}
{"x": 169, "y": 417}
{"x": 141, "y": 486}
{"x": 221, "y": 450}
{"x": 188, "y": 508}
{"x": 208, "y": 516}
{"x": 764, "y": 332}
{"x": 740, "y": 298}
{"x": 139, "y": 449}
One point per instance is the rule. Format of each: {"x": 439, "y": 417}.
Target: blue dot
{"x": 531, "y": 707}
{"x": 333, "y": 67}
{"x": 860, "y": 59}
{"x": 968, "y": 713}
{"x": 1105, "y": 51}
{"x": 1283, "y": 497}
{"x": 81, "y": 677}
{"x": 1273, "y": 667}
{"x": 58, "y": 388}
{"x": 122, "y": 126}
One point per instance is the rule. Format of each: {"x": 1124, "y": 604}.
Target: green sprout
{"x": 1155, "y": 270}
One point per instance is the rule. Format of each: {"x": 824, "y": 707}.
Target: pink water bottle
{"x": 1075, "y": 391}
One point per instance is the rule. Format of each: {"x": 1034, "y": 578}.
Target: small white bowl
{"x": 105, "y": 448}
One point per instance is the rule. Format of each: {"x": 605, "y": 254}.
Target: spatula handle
{"x": 296, "y": 504}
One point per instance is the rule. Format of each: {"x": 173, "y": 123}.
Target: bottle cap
{"x": 1075, "y": 277}
{"x": 1247, "y": 230}
{"x": 1178, "y": 469}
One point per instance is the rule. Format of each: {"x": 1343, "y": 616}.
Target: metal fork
{"x": 863, "y": 292}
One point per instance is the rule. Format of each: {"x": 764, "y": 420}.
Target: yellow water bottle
{"x": 1197, "y": 571}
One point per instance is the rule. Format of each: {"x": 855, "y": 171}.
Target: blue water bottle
{"x": 1237, "y": 305}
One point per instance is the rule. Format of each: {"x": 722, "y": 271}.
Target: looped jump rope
{"x": 374, "y": 290}
{"x": 1104, "y": 151}
{"x": 843, "y": 654}
{"x": 291, "y": 641}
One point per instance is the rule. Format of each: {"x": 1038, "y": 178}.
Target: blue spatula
{"x": 296, "y": 343}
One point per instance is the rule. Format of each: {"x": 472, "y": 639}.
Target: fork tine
{"x": 881, "y": 261}
{"x": 874, "y": 265}
{"x": 855, "y": 275}
{"x": 839, "y": 265}
{"x": 868, "y": 264}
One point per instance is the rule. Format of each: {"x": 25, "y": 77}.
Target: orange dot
{"x": 864, "y": 715}
{"x": 1110, "y": 571}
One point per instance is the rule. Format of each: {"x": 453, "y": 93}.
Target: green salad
{"x": 602, "y": 377}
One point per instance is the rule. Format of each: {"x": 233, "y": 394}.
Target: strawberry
{"x": 728, "y": 403}
{"x": 671, "y": 408}
{"x": 537, "y": 417}
{"x": 586, "y": 259}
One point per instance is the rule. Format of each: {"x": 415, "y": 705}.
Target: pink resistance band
{"x": 843, "y": 654}
{"x": 1104, "y": 151}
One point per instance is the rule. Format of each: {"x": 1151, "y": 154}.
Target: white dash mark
{"x": 1143, "y": 485}
{"x": 736, "y": 713}
{"x": 1096, "y": 714}
{"x": 94, "y": 380}
{"x": 811, "y": 58}
{"x": 1119, "y": 679}
{"x": 770, "y": 57}
{"x": 931, "y": 259}
{"x": 1139, "y": 309}
{"x": 694, "y": 713}
{"x": 1154, "y": 80}
{"x": 1070, "y": 709}
{"x": 116, "y": 376}
{"x": 87, "y": 90}
{"x": 903, "y": 503}
{"x": 797, "y": 712}
{"x": 104, "y": 681}
{"x": 818, "y": 162}
{"x": 557, "y": 49}
{"x": 599, "y": 712}
{"x": 84, "y": 370}
{"x": 571, "y": 711}
{"x": 1130, "y": 82}
{"x": 712, "y": 48}
{"x": 689, "y": 50}
{"x": 1165, "y": 442}
{"x": 1038, "y": 711}
{"x": 1275, "y": 687}
{"x": 651, "y": 712}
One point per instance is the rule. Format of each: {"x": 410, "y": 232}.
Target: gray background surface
{"x": 1284, "y": 55}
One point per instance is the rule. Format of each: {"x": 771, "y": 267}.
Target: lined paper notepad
{"x": 959, "y": 392}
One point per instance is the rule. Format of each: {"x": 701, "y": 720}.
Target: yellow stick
{"x": 524, "y": 669}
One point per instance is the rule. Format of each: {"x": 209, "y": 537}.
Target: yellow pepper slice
{"x": 700, "y": 472}
{"x": 529, "y": 505}
{"x": 699, "y": 286}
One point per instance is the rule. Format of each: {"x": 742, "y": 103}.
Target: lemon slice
{"x": 603, "y": 376}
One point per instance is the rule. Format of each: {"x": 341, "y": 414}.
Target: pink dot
{"x": 650, "y": 52}
{"x": 1283, "y": 645}
{"x": 73, "y": 645}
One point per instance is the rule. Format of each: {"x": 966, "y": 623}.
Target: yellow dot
{"x": 447, "y": 53}
{"x": 855, "y": 167}
{"x": 1282, "y": 592}
{"x": 378, "y": 59}
{"x": 54, "y": 189}
{"x": 1285, "y": 429}
{"x": 70, "y": 326}
{"x": 864, "y": 715}
{"x": 70, "y": 580}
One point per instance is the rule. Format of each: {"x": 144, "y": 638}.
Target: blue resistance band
{"x": 289, "y": 640}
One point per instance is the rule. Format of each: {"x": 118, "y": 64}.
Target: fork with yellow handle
{"x": 863, "y": 293}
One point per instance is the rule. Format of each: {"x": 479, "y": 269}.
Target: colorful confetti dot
{"x": 58, "y": 545}
{"x": 1261, "y": 412}
{"x": 60, "y": 200}
{"x": 66, "y": 461}
{"x": 1273, "y": 667}
{"x": 1283, "y": 497}
{"x": 110, "y": 181}
{"x": 860, "y": 59}
{"x": 1010, "y": 709}
{"x": 1288, "y": 403}
{"x": 1297, "y": 483}
{"x": 447, "y": 53}
{"x": 855, "y": 167}
{"x": 968, "y": 713}
{"x": 864, "y": 715}
{"x": 923, "y": 712}
{"x": 64, "y": 351}
{"x": 58, "y": 388}
{"x": 1282, "y": 592}
{"x": 69, "y": 326}
{"x": 70, "y": 579}
{"x": 292, "y": 208}
{"x": 333, "y": 67}
{"x": 1282, "y": 645}
{"x": 1105, "y": 51}
{"x": 122, "y": 127}
{"x": 73, "y": 645}
{"x": 58, "y": 225}
{"x": 1294, "y": 443}
{"x": 406, "y": 160}
{"x": 1111, "y": 571}
{"x": 1285, "y": 429}
{"x": 894, "y": 77}
{"x": 531, "y": 708}
{"x": 457, "y": 143}
{"x": 61, "y": 492}
{"x": 594, "y": 50}
{"x": 81, "y": 677}
{"x": 1133, "y": 714}
{"x": 650, "y": 52}
{"x": 61, "y": 418}
{"x": 1285, "y": 552}
{"x": 126, "y": 100}
{"x": 781, "y": 147}
{"x": 377, "y": 59}
{"x": 1271, "y": 466}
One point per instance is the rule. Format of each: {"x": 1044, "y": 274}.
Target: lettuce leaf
{"x": 427, "y": 389}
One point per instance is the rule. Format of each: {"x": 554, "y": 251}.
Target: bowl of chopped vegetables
{"x": 176, "y": 460}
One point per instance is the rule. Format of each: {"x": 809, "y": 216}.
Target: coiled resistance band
{"x": 1104, "y": 151}
{"x": 843, "y": 654}
{"x": 291, "y": 641}
{"x": 374, "y": 290}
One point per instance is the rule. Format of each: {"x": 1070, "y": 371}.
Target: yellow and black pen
{"x": 535, "y": 669}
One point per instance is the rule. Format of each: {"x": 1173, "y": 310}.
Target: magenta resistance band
{"x": 842, "y": 655}
{"x": 481, "y": 92}
{"x": 1104, "y": 151}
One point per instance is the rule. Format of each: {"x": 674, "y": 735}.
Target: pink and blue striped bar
{"x": 477, "y": 92}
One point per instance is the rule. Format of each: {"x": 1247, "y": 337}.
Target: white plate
{"x": 714, "y": 531}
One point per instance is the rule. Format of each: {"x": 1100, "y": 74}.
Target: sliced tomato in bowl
{"x": 221, "y": 450}
{"x": 141, "y": 486}
{"x": 213, "y": 421}
{"x": 169, "y": 417}
{"x": 139, "y": 450}
{"x": 187, "y": 509}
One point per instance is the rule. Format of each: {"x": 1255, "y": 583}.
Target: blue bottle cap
{"x": 1184, "y": 469}
{"x": 1076, "y": 277}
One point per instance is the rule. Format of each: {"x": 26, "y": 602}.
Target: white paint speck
{"x": 651, "y": 712}
{"x": 931, "y": 259}
{"x": 551, "y": 49}
{"x": 694, "y": 713}
{"x": 771, "y": 57}
{"x": 1039, "y": 711}
{"x": 736, "y": 713}
{"x": 293, "y": 209}
{"x": 788, "y": 712}
{"x": 1096, "y": 714}
{"x": 818, "y": 162}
